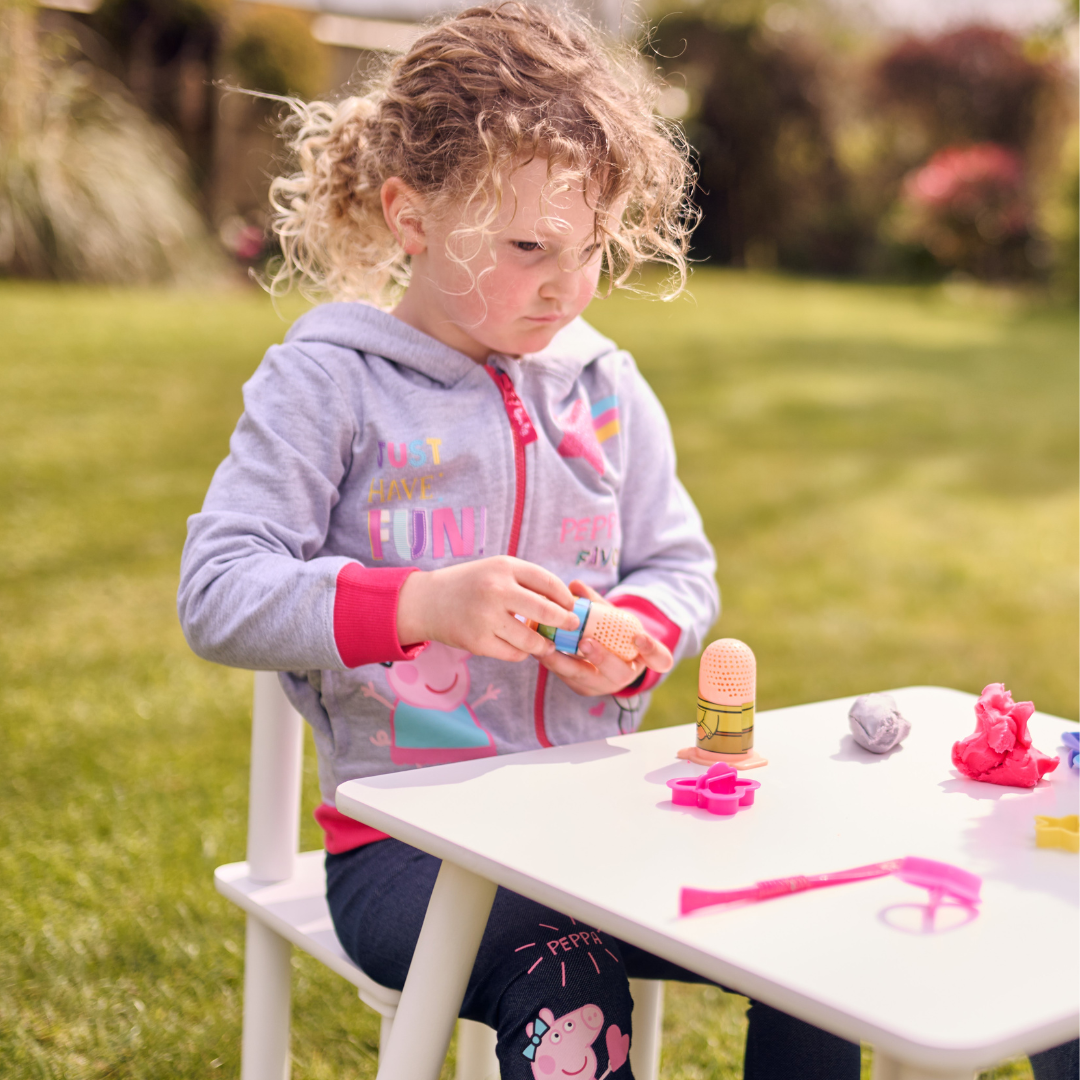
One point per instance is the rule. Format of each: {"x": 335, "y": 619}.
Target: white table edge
{"x": 808, "y": 1009}
{"x": 893, "y": 1044}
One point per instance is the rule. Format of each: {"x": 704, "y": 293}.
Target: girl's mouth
{"x": 432, "y": 690}
{"x": 566, "y": 1072}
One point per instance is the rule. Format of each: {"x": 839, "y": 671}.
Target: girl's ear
{"x": 403, "y": 208}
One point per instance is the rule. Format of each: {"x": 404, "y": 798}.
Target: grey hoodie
{"x": 365, "y": 441}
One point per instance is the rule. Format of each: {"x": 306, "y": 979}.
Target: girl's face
{"x": 537, "y": 274}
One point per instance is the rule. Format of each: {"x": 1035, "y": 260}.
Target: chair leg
{"x": 265, "y": 1047}
{"x": 648, "y": 995}
{"x": 386, "y": 1025}
{"x": 886, "y": 1068}
{"x": 476, "y": 1058}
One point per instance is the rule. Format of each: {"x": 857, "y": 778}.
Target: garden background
{"x": 873, "y": 391}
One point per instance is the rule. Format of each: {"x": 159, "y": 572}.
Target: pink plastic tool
{"x": 720, "y": 790}
{"x": 942, "y": 880}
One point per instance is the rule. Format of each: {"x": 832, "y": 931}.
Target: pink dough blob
{"x": 999, "y": 751}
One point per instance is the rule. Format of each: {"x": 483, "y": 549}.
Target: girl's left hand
{"x": 597, "y": 672}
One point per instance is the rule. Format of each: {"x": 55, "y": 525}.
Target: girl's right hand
{"x": 472, "y": 606}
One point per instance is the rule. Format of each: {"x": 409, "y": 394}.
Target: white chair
{"x": 284, "y": 895}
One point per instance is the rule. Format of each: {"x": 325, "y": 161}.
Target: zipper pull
{"x": 515, "y": 409}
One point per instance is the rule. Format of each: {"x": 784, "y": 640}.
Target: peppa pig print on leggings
{"x": 562, "y": 1046}
{"x": 431, "y": 723}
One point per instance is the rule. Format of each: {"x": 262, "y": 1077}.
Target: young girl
{"x": 406, "y": 486}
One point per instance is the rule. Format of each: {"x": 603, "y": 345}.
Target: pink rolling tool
{"x": 720, "y": 790}
{"x": 941, "y": 880}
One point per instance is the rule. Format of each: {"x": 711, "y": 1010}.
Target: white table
{"x": 589, "y": 829}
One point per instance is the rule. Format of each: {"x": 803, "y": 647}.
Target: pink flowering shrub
{"x": 968, "y": 207}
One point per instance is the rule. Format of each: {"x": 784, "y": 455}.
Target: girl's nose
{"x": 559, "y": 284}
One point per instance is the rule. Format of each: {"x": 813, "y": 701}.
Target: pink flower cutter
{"x": 941, "y": 880}
{"x": 721, "y": 790}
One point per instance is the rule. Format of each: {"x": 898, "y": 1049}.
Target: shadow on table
{"x": 1004, "y": 838}
{"x": 461, "y": 771}
{"x": 850, "y": 750}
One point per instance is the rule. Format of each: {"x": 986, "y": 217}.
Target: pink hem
{"x": 341, "y": 833}
{"x": 657, "y": 625}
{"x": 365, "y": 615}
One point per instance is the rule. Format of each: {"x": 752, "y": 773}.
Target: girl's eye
{"x": 528, "y": 245}
{"x": 569, "y": 1025}
{"x": 555, "y": 1036}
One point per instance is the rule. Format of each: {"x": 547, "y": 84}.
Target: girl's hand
{"x": 472, "y": 606}
{"x": 597, "y": 671}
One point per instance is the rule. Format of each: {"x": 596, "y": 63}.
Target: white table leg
{"x": 648, "y": 995}
{"x": 886, "y": 1068}
{"x": 454, "y": 924}
{"x": 264, "y": 1051}
{"x": 476, "y": 1058}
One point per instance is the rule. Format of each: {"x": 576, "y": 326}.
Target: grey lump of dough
{"x": 876, "y": 723}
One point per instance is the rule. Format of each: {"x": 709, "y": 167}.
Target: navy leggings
{"x": 553, "y": 989}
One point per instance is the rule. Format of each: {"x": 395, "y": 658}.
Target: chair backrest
{"x": 277, "y": 759}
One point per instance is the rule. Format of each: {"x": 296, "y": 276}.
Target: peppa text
{"x": 572, "y": 941}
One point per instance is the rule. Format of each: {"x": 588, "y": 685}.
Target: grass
{"x": 889, "y": 476}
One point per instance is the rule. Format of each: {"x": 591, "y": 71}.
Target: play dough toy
{"x": 941, "y": 880}
{"x": 727, "y": 686}
{"x": 614, "y": 628}
{"x": 1058, "y": 832}
{"x": 720, "y": 791}
{"x": 1071, "y": 739}
{"x": 999, "y": 751}
{"x": 876, "y": 724}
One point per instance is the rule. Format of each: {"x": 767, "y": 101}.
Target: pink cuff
{"x": 365, "y": 615}
{"x": 657, "y": 625}
{"x": 344, "y": 833}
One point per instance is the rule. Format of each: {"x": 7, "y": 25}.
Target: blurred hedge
{"x": 810, "y": 141}
{"x": 91, "y": 188}
{"x": 817, "y": 147}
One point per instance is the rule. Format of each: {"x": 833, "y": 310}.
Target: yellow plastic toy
{"x": 1058, "y": 832}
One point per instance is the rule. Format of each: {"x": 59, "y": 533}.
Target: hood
{"x": 364, "y": 328}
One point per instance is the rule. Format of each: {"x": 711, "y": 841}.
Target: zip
{"x": 522, "y": 433}
{"x": 538, "y": 706}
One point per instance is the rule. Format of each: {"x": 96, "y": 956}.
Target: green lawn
{"x": 888, "y": 474}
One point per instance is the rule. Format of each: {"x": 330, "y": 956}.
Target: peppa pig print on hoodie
{"x": 431, "y": 722}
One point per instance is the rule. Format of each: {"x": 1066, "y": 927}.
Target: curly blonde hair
{"x": 476, "y": 96}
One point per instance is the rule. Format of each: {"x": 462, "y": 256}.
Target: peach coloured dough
{"x": 999, "y": 751}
